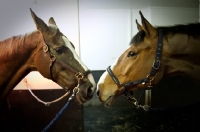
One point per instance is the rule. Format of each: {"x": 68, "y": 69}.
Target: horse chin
{"x": 80, "y": 99}
{"x": 109, "y": 101}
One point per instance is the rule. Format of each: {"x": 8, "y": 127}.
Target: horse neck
{"x": 16, "y": 58}
{"x": 181, "y": 55}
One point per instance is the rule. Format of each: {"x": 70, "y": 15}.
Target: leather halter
{"x": 148, "y": 79}
{"x": 79, "y": 75}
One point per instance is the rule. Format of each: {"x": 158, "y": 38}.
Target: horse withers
{"x": 154, "y": 53}
{"x": 48, "y": 51}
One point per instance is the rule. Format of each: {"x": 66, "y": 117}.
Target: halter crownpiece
{"x": 148, "y": 79}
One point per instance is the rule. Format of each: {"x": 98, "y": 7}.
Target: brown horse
{"x": 154, "y": 53}
{"x": 48, "y": 51}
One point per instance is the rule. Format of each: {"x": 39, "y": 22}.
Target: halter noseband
{"x": 79, "y": 75}
{"x": 148, "y": 79}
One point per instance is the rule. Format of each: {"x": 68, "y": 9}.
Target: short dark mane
{"x": 192, "y": 29}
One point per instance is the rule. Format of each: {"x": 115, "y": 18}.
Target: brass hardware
{"x": 45, "y": 48}
{"x": 151, "y": 78}
{"x": 79, "y": 75}
{"x": 52, "y": 58}
{"x": 76, "y": 89}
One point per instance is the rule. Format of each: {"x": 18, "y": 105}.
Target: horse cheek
{"x": 44, "y": 67}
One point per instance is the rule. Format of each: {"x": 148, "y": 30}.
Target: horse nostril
{"x": 90, "y": 91}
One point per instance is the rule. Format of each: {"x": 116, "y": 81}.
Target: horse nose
{"x": 98, "y": 89}
{"x": 90, "y": 91}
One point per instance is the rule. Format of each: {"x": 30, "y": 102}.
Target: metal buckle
{"x": 76, "y": 89}
{"x": 79, "y": 75}
{"x": 52, "y": 58}
{"x": 156, "y": 61}
{"x": 151, "y": 78}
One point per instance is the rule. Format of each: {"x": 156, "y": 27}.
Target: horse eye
{"x": 59, "y": 50}
{"x": 131, "y": 54}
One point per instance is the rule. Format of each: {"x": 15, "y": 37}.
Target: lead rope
{"x": 75, "y": 91}
{"x": 39, "y": 100}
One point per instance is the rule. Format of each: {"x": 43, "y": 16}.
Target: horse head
{"x": 134, "y": 64}
{"x": 56, "y": 59}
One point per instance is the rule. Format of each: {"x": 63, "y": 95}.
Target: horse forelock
{"x": 138, "y": 38}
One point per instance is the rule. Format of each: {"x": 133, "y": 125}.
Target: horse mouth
{"x": 109, "y": 101}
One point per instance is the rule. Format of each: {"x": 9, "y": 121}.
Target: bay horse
{"x": 154, "y": 53}
{"x": 48, "y": 51}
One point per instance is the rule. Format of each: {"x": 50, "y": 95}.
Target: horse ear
{"x": 51, "y": 21}
{"x": 41, "y": 26}
{"x": 147, "y": 27}
{"x": 139, "y": 27}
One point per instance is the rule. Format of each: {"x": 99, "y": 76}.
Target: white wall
{"x": 170, "y": 15}
{"x": 16, "y": 18}
{"x": 135, "y": 15}
{"x": 104, "y": 35}
{"x": 165, "y": 16}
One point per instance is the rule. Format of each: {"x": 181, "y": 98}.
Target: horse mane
{"x": 191, "y": 29}
{"x": 13, "y": 45}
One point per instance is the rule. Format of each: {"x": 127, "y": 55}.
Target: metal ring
{"x": 45, "y": 48}
{"x": 76, "y": 89}
{"x": 52, "y": 58}
{"x": 79, "y": 75}
{"x": 151, "y": 78}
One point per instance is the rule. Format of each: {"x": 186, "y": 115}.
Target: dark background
{"x": 175, "y": 107}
